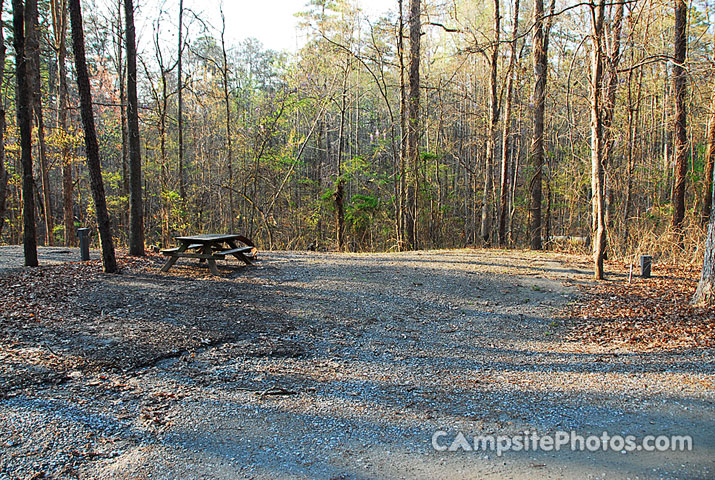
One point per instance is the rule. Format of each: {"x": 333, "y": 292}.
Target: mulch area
{"x": 643, "y": 314}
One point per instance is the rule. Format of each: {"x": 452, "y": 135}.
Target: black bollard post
{"x": 646, "y": 262}
{"x": 83, "y": 234}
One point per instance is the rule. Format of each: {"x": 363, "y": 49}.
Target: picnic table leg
{"x": 211, "y": 261}
{"x": 174, "y": 257}
{"x": 239, "y": 255}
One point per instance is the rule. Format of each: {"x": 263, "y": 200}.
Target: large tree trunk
{"x": 136, "y": 215}
{"x": 487, "y": 204}
{"x": 32, "y": 54}
{"x": 681, "y": 128}
{"x": 506, "y": 131}
{"x": 537, "y": 142}
{"x": 597, "y": 138}
{"x": 90, "y": 140}
{"x": 24, "y": 122}
{"x": 227, "y": 113}
{"x": 413, "y": 125}
{"x": 339, "y": 183}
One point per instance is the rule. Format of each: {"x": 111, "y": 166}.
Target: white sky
{"x": 271, "y": 21}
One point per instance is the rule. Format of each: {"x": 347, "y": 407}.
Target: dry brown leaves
{"x": 645, "y": 314}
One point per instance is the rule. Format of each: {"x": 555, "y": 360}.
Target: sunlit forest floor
{"x": 341, "y": 366}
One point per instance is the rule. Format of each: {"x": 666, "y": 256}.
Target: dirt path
{"x": 344, "y": 366}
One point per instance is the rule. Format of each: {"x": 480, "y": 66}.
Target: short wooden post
{"x": 646, "y": 263}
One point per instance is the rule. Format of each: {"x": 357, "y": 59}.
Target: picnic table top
{"x": 208, "y": 238}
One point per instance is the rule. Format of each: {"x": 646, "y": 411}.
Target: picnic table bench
{"x": 209, "y": 248}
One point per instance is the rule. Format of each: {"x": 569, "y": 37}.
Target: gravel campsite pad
{"x": 335, "y": 366}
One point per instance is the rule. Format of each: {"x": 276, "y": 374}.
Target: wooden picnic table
{"x": 209, "y": 248}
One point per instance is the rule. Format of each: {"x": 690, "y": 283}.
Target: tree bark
{"x": 136, "y": 215}
{"x": 537, "y": 142}
{"x": 24, "y": 122}
{"x": 90, "y": 139}
{"x": 487, "y": 204}
{"x": 413, "y": 125}
{"x": 681, "y": 128}
{"x": 32, "y": 54}
{"x": 180, "y": 112}
{"x": 709, "y": 157}
{"x": 597, "y": 137}
{"x": 3, "y": 170}
{"x": 59, "y": 26}
{"x": 506, "y": 131}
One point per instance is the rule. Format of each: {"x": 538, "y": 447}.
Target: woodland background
{"x": 312, "y": 149}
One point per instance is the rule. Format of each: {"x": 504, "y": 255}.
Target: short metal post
{"x": 646, "y": 263}
{"x": 83, "y": 234}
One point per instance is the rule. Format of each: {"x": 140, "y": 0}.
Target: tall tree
{"x": 32, "y": 52}
{"x": 413, "y": 124}
{"x": 3, "y": 170}
{"x": 709, "y": 154}
{"x": 597, "y": 138}
{"x": 506, "y": 129}
{"x": 487, "y": 205}
{"x": 540, "y": 60}
{"x": 180, "y": 108}
{"x": 705, "y": 293}
{"x": 109, "y": 261}
{"x": 24, "y": 122}
{"x": 680, "y": 147}
{"x": 59, "y": 31}
{"x": 136, "y": 216}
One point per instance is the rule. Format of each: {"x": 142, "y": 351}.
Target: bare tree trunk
{"x": 339, "y": 183}
{"x": 24, "y": 122}
{"x": 413, "y": 125}
{"x": 487, "y": 204}
{"x": 59, "y": 28}
{"x": 3, "y": 170}
{"x": 705, "y": 293}
{"x": 32, "y": 52}
{"x": 506, "y": 131}
{"x": 136, "y": 213}
{"x": 597, "y": 147}
{"x": 681, "y": 131}
{"x": 180, "y": 108}
{"x": 537, "y": 142}
{"x": 226, "y": 99}
{"x": 90, "y": 139}
{"x": 401, "y": 220}
{"x": 709, "y": 159}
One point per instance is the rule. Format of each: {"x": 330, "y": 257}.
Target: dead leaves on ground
{"x": 645, "y": 314}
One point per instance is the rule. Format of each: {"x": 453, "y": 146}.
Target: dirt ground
{"x": 334, "y": 366}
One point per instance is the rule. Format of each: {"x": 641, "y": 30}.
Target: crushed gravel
{"x": 341, "y": 366}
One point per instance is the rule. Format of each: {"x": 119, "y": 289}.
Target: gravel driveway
{"x": 343, "y": 366}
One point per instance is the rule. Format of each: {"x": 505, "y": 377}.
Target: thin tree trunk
{"x": 339, "y": 185}
{"x": 537, "y": 142}
{"x": 32, "y": 52}
{"x": 136, "y": 213}
{"x": 180, "y": 108}
{"x": 24, "y": 122}
{"x": 681, "y": 127}
{"x": 90, "y": 139}
{"x": 597, "y": 147}
{"x": 401, "y": 219}
{"x": 59, "y": 27}
{"x": 709, "y": 158}
{"x": 226, "y": 99}
{"x": 413, "y": 125}
{"x": 506, "y": 131}
{"x": 3, "y": 170}
{"x": 487, "y": 204}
